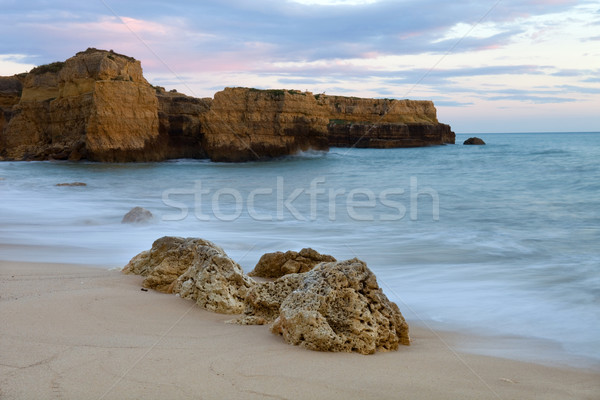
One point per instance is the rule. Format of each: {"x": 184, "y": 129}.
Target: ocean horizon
{"x": 498, "y": 240}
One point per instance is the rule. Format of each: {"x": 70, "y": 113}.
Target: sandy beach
{"x": 77, "y": 332}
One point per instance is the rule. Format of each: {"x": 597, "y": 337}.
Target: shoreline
{"x": 74, "y": 331}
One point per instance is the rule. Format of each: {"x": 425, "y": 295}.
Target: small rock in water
{"x": 71, "y": 184}
{"x": 137, "y": 215}
{"x": 474, "y": 140}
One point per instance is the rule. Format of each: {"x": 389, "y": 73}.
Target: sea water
{"x": 500, "y": 240}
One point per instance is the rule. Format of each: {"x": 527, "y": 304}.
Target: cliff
{"x": 98, "y": 106}
{"x": 180, "y": 125}
{"x": 383, "y": 123}
{"x": 10, "y": 95}
{"x": 247, "y": 124}
{"x": 388, "y": 135}
{"x": 360, "y": 110}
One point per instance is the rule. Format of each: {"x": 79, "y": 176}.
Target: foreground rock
{"x": 195, "y": 269}
{"x": 474, "y": 140}
{"x": 261, "y": 305}
{"x": 137, "y": 215}
{"x": 339, "y": 307}
{"x": 275, "y": 265}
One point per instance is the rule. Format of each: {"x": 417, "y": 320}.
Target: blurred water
{"x": 499, "y": 239}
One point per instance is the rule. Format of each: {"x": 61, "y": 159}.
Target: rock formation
{"x": 386, "y": 135}
{"x": 179, "y": 122}
{"x": 10, "y": 94}
{"x": 195, "y": 269}
{"x": 261, "y": 305}
{"x": 275, "y": 265}
{"x": 360, "y": 110}
{"x": 137, "y": 215}
{"x": 383, "y": 123}
{"x": 338, "y": 306}
{"x": 249, "y": 124}
{"x": 474, "y": 140}
{"x": 98, "y": 106}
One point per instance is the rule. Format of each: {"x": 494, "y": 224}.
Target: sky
{"x": 489, "y": 66}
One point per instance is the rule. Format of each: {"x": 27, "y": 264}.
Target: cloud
{"x": 533, "y": 99}
{"x": 580, "y": 89}
{"x": 474, "y": 51}
{"x": 451, "y": 103}
{"x": 446, "y": 76}
{"x": 291, "y": 31}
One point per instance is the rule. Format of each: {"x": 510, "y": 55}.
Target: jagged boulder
{"x": 137, "y": 215}
{"x": 195, "y": 269}
{"x": 474, "y": 140}
{"x": 339, "y": 306}
{"x": 275, "y": 265}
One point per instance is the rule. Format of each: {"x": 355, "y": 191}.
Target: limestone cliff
{"x": 361, "y": 110}
{"x": 248, "y": 124}
{"x": 388, "y": 135}
{"x": 96, "y": 105}
{"x": 383, "y": 123}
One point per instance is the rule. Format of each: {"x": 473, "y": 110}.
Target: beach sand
{"x": 76, "y": 332}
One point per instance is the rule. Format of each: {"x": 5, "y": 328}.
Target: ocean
{"x": 501, "y": 241}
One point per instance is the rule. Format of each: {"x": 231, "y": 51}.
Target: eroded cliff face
{"x": 378, "y": 111}
{"x": 248, "y": 124}
{"x": 179, "y": 122}
{"x": 96, "y": 105}
{"x": 383, "y": 123}
{"x": 387, "y": 135}
{"x": 11, "y": 88}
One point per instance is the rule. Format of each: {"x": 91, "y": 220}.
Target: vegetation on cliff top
{"x": 277, "y": 92}
{"x": 57, "y": 66}
{"x": 91, "y": 50}
{"x": 52, "y": 67}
